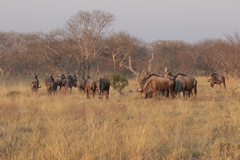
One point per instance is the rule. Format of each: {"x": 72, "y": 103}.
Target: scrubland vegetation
{"x": 69, "y": 126}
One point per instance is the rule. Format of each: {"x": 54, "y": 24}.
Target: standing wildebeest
{"x": 189, "y": 84}
{"x": 69, "y": 82}
{"x": 59, "y": 81}
{"x": 154, "y": 83}
{"x": 90, "y": 87}
{"x": 217, "y": 79}
{"x": 178, "y": 85}
{"x": 102, "y": 87}
{"x": 35, "y": 84}
{"x": 51, "y": 85}
{"x": 81, "y": 84}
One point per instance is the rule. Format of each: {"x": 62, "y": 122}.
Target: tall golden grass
{"x": 69, "y": 126}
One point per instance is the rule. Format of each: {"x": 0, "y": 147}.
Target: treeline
{"x": 87, "y": 45}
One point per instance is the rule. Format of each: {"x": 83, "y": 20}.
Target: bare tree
{"x": 57, "y": 52}
{"x": 173, "y": 54}
{"x": 233, "y": 54}
{"x": 138, "y": 76}
{"x": 88, "y": 31}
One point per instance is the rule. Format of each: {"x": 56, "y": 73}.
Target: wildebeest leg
{"x": 107, "y": 94}
{"x": 184, "y": 94}
{"x": 170, "y": 93}
{"x": 156, "y": 94}
{"x": 194, "y": 92}
{"x": 87, "y": 93}
{"x": 92, "y": 93}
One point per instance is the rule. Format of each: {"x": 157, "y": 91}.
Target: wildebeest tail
{"x": 223, "y": 79}
{"x": 100, "y": 85}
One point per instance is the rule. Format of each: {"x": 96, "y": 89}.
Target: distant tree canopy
{"x": 88, "y": 45}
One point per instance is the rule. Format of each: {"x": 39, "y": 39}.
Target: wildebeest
{"x": 35, "y": 84}
{"x": 90, "y": 87}
{"x": 69, "y": 82}
{"x": 189, "y": 84}
{"x": 178, "y": 85}
{"x": 81, "y": 84}
{"x": 51, "y": 85}
{"x": 59, "y": 80}
{"x": 102, "y": 87}
{"x": 154, "y": 83}
{"x": 217, "y": 79}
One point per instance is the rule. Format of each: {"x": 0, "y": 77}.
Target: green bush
{"x": 119, "y": 82}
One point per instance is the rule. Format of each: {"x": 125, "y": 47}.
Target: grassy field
{"x": 69, "y": 126}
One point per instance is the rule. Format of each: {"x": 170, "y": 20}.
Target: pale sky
{"x": 148, "y": 20}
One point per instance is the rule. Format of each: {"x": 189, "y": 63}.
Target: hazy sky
{"x": 149, "y": 20}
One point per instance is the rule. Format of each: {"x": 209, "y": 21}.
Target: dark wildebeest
{"x": 81, "y": 84}
{"x": 178, "y": 85}
{"x": 217, "y": 79}
{"x": 189, "y": 84}
{"x": 90, "y": 87}
{"x": 51, "y": 85}
{"x": 154, "y": 83}
{"x": 102, "y": 87}
{"x": 35, "y": 84}
{"x": 69, "y": 82}
{"x": 59, "y": 80}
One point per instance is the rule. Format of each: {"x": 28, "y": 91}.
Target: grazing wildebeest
{"x": 102, "y": 87}
{"x": 217, "y": 79}
{"x": 81, "y": 84}
{"x": 51, "y": 85}
{"x": 35, "y": 84}
{"x": 69, "y": 82}
{"x": 59, "y": 80}
{"x": 154, "y": 83}
{"x": 189, "y": 84}
{"x": 90, "y": 87}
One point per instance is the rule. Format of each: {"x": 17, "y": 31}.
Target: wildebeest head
{"x": 217, "y": 79}
{"x": 211, "y": 82}
{"x": 141, "y": 84}
{"x": 35, "y": 84}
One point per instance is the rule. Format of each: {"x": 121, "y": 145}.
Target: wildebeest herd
{"x": 89, "y": 86}
{"x": 153, "y": 84}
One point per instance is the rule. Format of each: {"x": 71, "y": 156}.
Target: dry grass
{"x": 38, "y": 126}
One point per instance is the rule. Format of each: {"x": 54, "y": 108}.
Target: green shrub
{"x": 119, "y": 82}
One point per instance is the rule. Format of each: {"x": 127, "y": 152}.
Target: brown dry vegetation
{"x": 38, "y": 126}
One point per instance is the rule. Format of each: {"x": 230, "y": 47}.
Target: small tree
{"x": 119, "y": 82}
